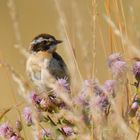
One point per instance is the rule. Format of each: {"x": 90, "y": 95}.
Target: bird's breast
{"x": 37, "y": 70}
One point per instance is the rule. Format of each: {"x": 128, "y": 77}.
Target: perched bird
{"x": 44, "y": 65}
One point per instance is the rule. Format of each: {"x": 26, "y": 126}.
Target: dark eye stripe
{"x": 42, "y": 43}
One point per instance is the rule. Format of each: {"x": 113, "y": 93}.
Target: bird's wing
{"x": 57, "y": 67}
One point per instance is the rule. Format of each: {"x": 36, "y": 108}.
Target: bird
{"x": 44, "y": 65}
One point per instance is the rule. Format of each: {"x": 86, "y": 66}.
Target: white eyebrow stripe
{"x": 39, "y": 40}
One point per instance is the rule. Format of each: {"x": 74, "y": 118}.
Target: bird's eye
{"x": 44, "y": 42}
{"x": 48, "y": 42}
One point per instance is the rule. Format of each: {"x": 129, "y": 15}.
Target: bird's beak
{"x": 54, "y": 46}
{"x": 58, "y": 41}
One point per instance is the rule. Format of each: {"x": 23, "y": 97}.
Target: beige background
{"x": 39, "y": 16}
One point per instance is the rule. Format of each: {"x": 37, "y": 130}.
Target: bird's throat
{"x": 44, "y": 54}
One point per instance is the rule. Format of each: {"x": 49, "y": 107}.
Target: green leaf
{"x": 138, "y": 101}
{"x": 46, "y": 138}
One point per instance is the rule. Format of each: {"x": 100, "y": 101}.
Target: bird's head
{"x": 44, "y": 42}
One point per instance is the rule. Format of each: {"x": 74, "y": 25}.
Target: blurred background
{"x": 21, "y": 21}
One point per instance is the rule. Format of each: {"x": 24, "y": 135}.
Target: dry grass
{"x": 85, "y": 116}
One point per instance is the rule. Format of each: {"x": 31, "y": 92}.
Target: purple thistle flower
{"x": 135, "y": 106}
{"x": 89, "y": 86}
{"x": 82, "y": 97}
{"x": 62, "y": 85}
{"x": 119, "y": 69}
{"x": 102, "y": 102}
{"x": 15, "y": 138}
{"x": 133, "y": 109}
{"x": 113, "y": 58}
{"x": 109, "y": 87}
{"x": 81, "y": 100}
{"x": 98, "y": 90}
{"x": 6, "y": 131}
{"x": 35, "y": 98}
{"x": 68, "y": 131}
{"x": 46, "y": 133}
{"x": 92, "y": 86}
{"x": 27, "y": 113}
{"x": 117, "y": 65}
{"x": 136, "y": 70}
